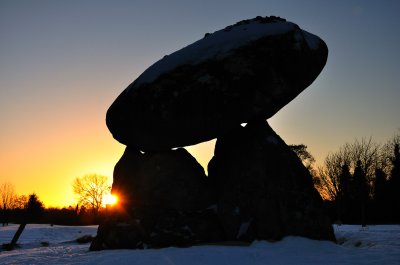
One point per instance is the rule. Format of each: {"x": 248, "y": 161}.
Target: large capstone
{"x": 264, "y": 190}
{"x": 245, "y": 71}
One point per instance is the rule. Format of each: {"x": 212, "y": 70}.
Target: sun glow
{"x": 110, "y": 199}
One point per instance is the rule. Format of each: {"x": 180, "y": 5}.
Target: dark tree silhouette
{"x": 365, "y": 152}
{"x": 360, "y": 191}
{"x": 7, "y": 199}
{"x": 21, "y": 202}
{"x": 34, "y": 209}
{"x": 304, "y": 155}
{"x": 395, "y": 172}
{"x": 394, "y": 184}
{"x": 329, "y": 174}
{"x": 360, "y": 177}
{"x": 381, "y": 196}
{"x": 308, "y": 161}
{"x": 343, "y": 192}
{"x": 380, "y": 187}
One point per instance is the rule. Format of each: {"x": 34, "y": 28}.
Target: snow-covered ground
{"x": 378, "y": 244}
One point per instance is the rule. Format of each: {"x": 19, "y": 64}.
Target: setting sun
{"x": 110, "y": 199}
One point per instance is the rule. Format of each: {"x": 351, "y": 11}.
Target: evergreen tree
{"x": 343, "y": 193}
{"x": 34, "y": 208}
{"x": 380, "y": 187}
{"x": 394, "y": 184}
{"x": 381, "y": 192}
{"x": 361, "y": 190}
{"x": 344, "y": 182}
{"x": 395, "y": 172}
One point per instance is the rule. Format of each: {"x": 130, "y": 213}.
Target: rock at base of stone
{"x": 159, "y": 229}
{"x": 264, "y": 190}
{"x": 114, "y": 234}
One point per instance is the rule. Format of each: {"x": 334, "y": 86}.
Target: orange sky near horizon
{"x": 56, "y": 168}
{"x": 57, "y": 164}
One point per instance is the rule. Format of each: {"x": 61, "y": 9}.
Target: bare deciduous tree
{"x": 308, "y": 161}
{"x": 7, "y": 196}
{"x": 91, "y": 190}
{"x": 21, "y": 202}
{"x": 366, "y": 151}
{"x": 329, "y": 174}
{"x": 326, "y": 185}
{"x": 387, "y": 154}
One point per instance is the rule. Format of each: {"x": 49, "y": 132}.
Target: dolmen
{"x": 224, "y": 86}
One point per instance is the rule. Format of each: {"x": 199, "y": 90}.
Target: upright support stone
{"x": 166, "y": 201}
{"x": 264, "y": 190}
{"x": 164, "y": 180}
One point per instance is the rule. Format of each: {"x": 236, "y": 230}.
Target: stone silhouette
{"x": 257, "y": 188}
{"x": 264, "y": 190}
{"x": 167, "y": 200}
{"x": 245, "y": 71}
{"x": 170, "y": 179}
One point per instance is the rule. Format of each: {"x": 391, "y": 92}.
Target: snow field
{"x": 378, "y": 244}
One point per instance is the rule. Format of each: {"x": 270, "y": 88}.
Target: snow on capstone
{"x": 218, "y": 45}
{"x": 247, "y": 70}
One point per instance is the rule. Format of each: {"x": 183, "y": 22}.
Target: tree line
{"x": 90, "y": 191}
{"x": 360, "y": 182}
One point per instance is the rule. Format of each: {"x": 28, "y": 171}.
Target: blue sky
{"x": 62, "y": 63}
